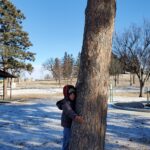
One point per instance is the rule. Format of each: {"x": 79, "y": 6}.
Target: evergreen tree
{"x": 68, "y": 64}
{"x": 64, "y": 65}
{"x": 14, "y": 42}
{"x": 57, "y": 69}
{"x": 77, "y": 65}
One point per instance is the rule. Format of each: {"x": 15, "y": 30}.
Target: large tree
{"x": 93, "y": 79}
{"x": 14, "y": 42}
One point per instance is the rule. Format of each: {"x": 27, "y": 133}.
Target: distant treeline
{"x": 130, "y": 53}
{"x": 65, "y": 68}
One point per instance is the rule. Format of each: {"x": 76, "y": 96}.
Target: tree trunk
{"x": 59, "y": 82}
{"x": 10, "y": 88}
{"x": 141, "y": 88}
{"x": 134, "y": 78}
{"x": 115, "y": 79}
{"x": 93, "y": 79}
{"x": 130, "y": 79}
{"x": 4, "y": 88}
{"x": 118, "y": 79}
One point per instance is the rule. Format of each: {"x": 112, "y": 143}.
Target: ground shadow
{"x": 30, "y": 126}
{"x": 36, "y": 126}
{"x": 122, "y": 127}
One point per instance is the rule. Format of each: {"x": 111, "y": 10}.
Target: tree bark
{"x": 141, "y": 88}
{"x": 133, "y": 78}
{"x": 130, "y": 79}
{"x": 4, "y": 88}
{"x": 115, "y": 79}
{"x": 93, "y": 79}
{"x": 118, "y": 78}
{"x": 10, "y": 88}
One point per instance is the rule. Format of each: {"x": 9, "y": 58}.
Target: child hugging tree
{"x": 67, "y": 105}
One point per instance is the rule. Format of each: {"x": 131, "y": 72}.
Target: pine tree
{"x": 64, "y": 65}
{"x": 77, "y": 66}
{"x": 70, "y": 67}
{"x": 57, "y": 70}
{"x": 67, "y": 65}
{"x": 14, "y": 42}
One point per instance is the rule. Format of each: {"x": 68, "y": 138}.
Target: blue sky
{"x": 56, "y": 26}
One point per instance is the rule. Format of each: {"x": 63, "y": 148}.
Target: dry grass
{"x": 124, "y": 81}
{"x": 44, "y": 84}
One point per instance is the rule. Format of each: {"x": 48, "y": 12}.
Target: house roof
{"x": 4, "y": 74}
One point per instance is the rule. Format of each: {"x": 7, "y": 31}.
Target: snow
{"x": 128, "y": 99}
{"x": 32, "y": 125}
{"x": 128, "y": 130}
{"x": 126, "y": 89}
{"x": 35, "y": 124}
{"x": 39, "y": 91}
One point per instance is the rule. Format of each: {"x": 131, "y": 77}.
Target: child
{"x": 68, "y": 114}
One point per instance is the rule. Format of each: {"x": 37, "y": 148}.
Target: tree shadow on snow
{"x": 30, "y": 126}
{"x": 126, "y": 127}
{"x": 37, "y": 126}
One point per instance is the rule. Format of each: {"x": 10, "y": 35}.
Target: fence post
{"x": 148, "y": 92}
{"x": 111, "y": 93}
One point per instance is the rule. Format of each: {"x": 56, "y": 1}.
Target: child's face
{"x": 72, "y": 96}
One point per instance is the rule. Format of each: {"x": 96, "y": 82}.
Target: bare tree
{"x": 93, "y": 79}
{"x": 49, "y": 66}
{"x": 133, "y": 49}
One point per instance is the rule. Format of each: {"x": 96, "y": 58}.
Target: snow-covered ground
{"x": 39, "y": 91}
{"x": 35, "y": 125}
{"x": 127, "y": 130}
{"x": 32, "y": 125}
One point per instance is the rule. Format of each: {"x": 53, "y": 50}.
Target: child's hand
{"x": 79, "y": 119}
